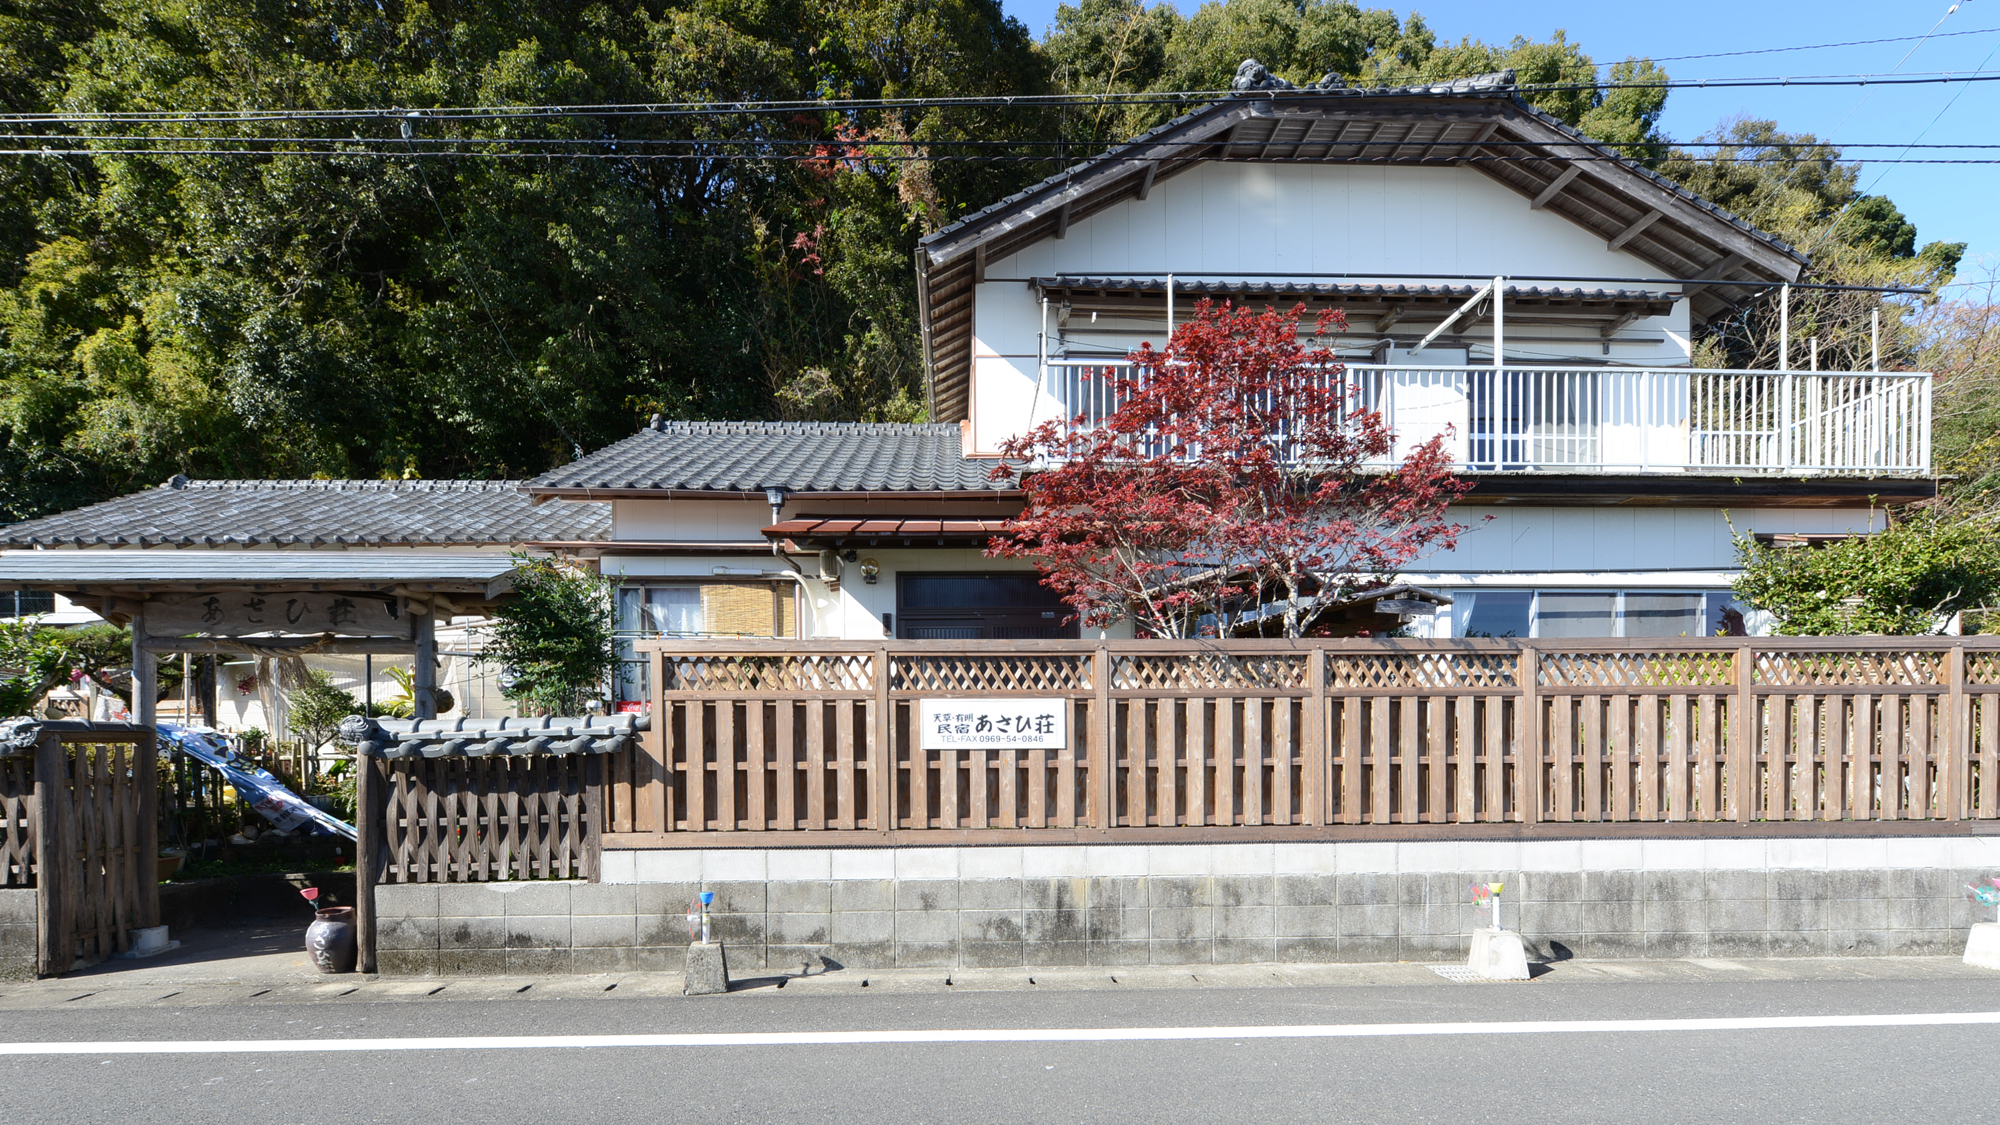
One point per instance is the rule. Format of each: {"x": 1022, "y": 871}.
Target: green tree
{"x": 315, "y": 707}
{"x": 555, "y": 636}
{"x": 1910, "y": 579}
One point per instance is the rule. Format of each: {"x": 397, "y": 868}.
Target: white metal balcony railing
{"x": 1614, "y": 419}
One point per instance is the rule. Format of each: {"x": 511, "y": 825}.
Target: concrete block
{"x": 1797, "y": 883}
{"x": 1429, "y": 857}
{"x": 1177, "y": 860}
{"x": 1552, "y": 855}
{"x": 1306, "y": 921}
{"x": 989, "y": 894}
{"x": 1906, "y": 914}
{"x": 734, "y": 865}
{"x": 798, "y": 929}
{"x": 1243, "y": 890}
{"x": 1551, "y": 886}
{"x": 926, "y": 863}
{"x": 1115, "y": 893}
{"x": 1366, "y": 889}
{"x": 1304, "y": 859}
{"x": 1673, "y": 886}
{"x": 1304, "y": 890}
{"x": 1857, "y": 914}
{"x": 603, "y": 931}
{"x": 1975, "y": 852}
{"x": 1546, "y": 918}
{"x": 1060, "y": 862}
{"x": 1364, "y": 948}
{"x": 795, "y": 897}
{"x": 1121, "y": 952}
{"x": 1118, "y": 925}
{"x": 1176, "y": 924}
{"x": 931, "y": 894}
{"x": 864, "y": 863}
{"x": 924, "y": 954}
{"x": 1795, "y": 854}
{"x": 538, "y": 931}
{"x": 1915, "y": 852}
{"x": 470, "y": 962}
{"x": 472, "y": 933}
{"x": 1740, "y": 915}
{"x": 1859, "y": 943}
{"x": 1735, "y": 855}
{"x": 707, "y": 973}
{"x": 1243, "y": 859}
{"x": 1055, "y": 953}
{"x": 1749, "y": 943}
{"x": 990, "y": 864}
{"x": 392, "y": 900}
{"x": 1498, "y": 954}
{"x": 1245, "y": 951}
{"x": 627, "y": 959}
{"x": 991, "y": 954}
{"x": 738, "y": 898}
{"x": 1621, "y": 917}
{"x": 1178, "y": 892}
{"x": 926, "y": 926}
{"x": 618, "y": 866}
{"x": 406, "y": 962}
{"x": 1736, "y": 884}
{"x": 1364, "y": 858}
{"x": 798, "y": 865}
{"x": 991, "y": 926}
{"x": 1796, "y": 943}
{"x": 862, "y": 927}
{"x": 534, "y": 898}
{"x": 666, "y": 865}
{"x": 1235, "y": 923}
{"x": 467, "y": 900}
{"x": 1308, "y": 950}
{"x": 1055, "y": 894}
{"x": 1672, "y": 855}
{"x": 743, "y": 930}
{"x": 1179, "y": 951}
{"x": 1046, "y": 926}
{"x": 604, "y": 898}
{"x": 1927, "y": 943}
{"x": 1377, "y": 921}
{"x": 1115, "y": 861}
{"x": 411, "y": 934}
{"x": 1673, "y": 943}
{"x": 664, "y": 900}
{"x": 1612, "y": 855}
{"x": 1610, "y": 886}
{"x": 539, "y": 962}
{"x": 1853, "y": 854}
{"x": 845, "y": 895}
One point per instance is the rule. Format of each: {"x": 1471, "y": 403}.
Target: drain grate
{"x": 1464, "y": 974}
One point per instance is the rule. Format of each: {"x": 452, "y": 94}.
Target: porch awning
{"x": 824, "y": 534}
{"x": 176, "y": 568}
{"x": 487, "y": 738}
{"x": 1147, "y": 296}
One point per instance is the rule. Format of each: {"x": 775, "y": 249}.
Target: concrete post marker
{"x": 706, "y": 973}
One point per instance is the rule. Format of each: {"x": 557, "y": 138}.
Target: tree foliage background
{"x": 382, "y": 314}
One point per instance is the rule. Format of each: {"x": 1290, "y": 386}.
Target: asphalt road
{"x": 1821, "y": 1075}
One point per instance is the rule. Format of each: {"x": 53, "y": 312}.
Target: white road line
{"x": 995, "y": 1035}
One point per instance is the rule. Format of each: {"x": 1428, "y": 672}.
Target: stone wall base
{"x": 17, "y": 934}
{"x": 1200, "y": 904}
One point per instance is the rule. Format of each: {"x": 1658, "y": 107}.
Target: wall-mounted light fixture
{"x": 870, "y": 571}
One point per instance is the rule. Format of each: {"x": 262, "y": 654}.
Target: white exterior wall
{"x": 1389, "y": 224}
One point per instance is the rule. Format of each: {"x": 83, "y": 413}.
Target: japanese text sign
{"x": 994, "y": 724}
{"x": 245, "y": 613}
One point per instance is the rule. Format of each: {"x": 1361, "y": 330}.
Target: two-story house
{"x": 1504, "y": 279}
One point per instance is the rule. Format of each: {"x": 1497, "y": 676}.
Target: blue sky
{"x": 1952, "y": 202}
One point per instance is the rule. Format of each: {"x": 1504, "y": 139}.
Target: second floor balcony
{"x": 1529, "y": 419}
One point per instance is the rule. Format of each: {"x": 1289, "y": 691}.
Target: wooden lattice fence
{"x": 753, "y": 741}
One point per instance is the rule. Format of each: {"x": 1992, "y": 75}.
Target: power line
{"x": 807, "y": 142}
{"x": 1022, "y": 101}
{"x": 808, "y": 158}
{"x": 1807, "y": 47}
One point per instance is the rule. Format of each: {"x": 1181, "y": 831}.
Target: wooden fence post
{"x": 1103, "y": 770}
{"x": 1743, "y": 747}
{"x": 1318, "y": 768}
{"x": 1529, "y": 722}
{"x": 369, "y": 831}
{"x": 1954, "y": 801}
{"x": 882, "y": 764}
{"x": 54, "y": 859}
{"x": 593, "y": 818}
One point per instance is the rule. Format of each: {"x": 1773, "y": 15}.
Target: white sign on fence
{"x": 994, "y": 724}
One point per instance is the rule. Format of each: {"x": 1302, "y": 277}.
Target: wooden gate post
{"x": 369, "y": 829}
{"x": 54, "y": 859}
{"x": 145, "y": 865}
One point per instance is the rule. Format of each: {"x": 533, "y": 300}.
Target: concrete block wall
{"x": 1202, "y": 904}
{"x": 17, "y": 934}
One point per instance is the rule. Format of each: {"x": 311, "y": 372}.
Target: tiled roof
{"x": 799, "y": 457}
{"x": 316, "y": 513}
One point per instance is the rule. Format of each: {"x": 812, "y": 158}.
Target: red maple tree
{"x": 1239, "y": 479}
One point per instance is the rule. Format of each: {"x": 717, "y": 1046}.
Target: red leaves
{"x": 1241, "y": 475}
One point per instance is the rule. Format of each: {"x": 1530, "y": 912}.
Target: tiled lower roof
{"x": 316, "y": 513}
{"x": 799, "y": 457}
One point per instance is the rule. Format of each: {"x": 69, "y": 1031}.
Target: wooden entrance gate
{"x": 84, "y": 795}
